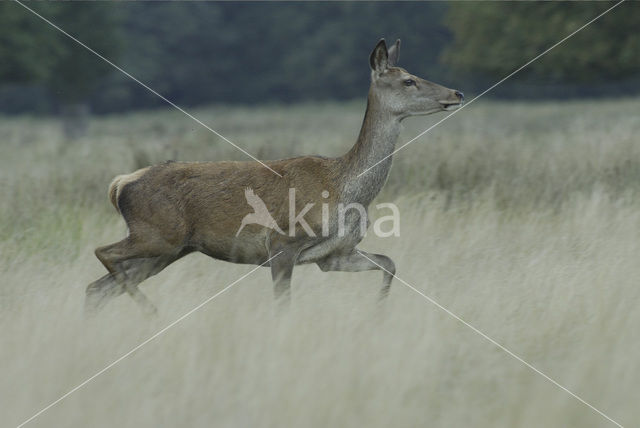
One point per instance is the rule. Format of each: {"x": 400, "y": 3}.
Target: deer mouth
{"x": 451, "y": 105}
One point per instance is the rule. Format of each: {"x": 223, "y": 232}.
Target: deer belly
{"x": 236, "y": 250}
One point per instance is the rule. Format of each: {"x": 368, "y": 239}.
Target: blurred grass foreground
{"x": 522, "y": 218}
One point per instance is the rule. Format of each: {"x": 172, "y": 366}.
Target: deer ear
{"x": 379, "y": 58}
{"x": 394, "y": 54}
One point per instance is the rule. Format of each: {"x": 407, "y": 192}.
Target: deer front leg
{"x": 281, "y": 270}
{"x": 358, "y": 261}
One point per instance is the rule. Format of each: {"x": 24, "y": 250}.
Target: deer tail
{"x": 118, "y": 183}
{"x": 114, "y": 191}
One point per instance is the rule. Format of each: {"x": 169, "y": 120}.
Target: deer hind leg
{"x": 129, "y": 263}
{"x": 358, "y": 261}
{"x": 282, "y": 263}
{"x": 115, "y": 283}
{"x": 139, "y": 270}
{"x": 101, "y": 291}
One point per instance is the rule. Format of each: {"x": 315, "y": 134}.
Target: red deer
{"x": 175, "y": 208}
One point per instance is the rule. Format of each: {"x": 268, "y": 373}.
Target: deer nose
{"x": 460, "y": 96}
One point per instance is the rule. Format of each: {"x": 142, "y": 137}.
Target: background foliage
{"x": 607, "y": 51}
{"x": 228, "y": 52}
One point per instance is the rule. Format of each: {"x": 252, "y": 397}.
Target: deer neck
{"x": 377, "y": 140}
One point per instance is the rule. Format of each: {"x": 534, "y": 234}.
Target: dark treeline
{"x": 226, "y": 52}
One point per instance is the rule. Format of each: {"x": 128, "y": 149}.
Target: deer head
{"x": 402, "y": 93}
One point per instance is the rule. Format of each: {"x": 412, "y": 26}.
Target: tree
{"x": 32, "y": 52}
{"x": 76, "y": 71}
{"x": 238, "y": 52}
{"x": 496, "y": 38}
{"x": 28, "y": 49}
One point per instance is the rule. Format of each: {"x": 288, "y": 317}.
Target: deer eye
{"x": 409, "y": 82}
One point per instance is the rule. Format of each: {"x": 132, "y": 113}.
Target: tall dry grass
{"x": 523, "y": 219}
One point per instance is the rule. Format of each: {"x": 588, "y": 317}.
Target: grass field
{"x": 522, "y": 219}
